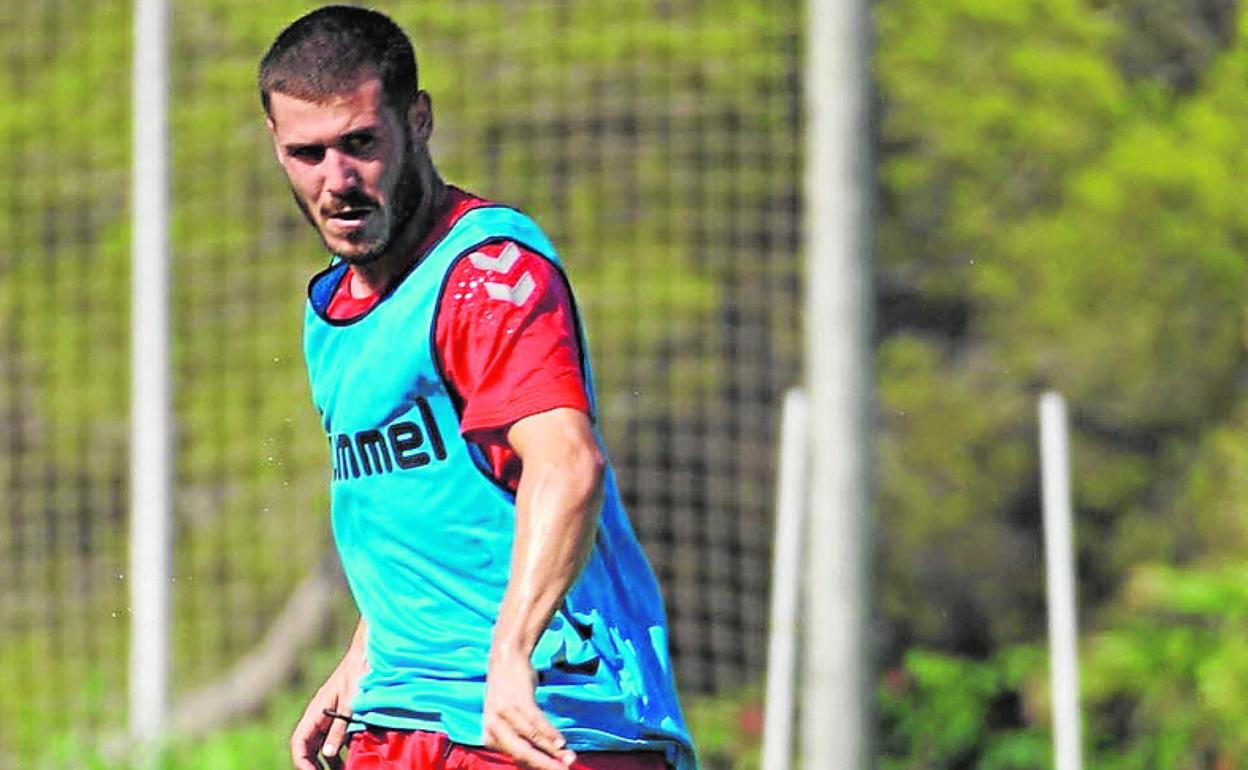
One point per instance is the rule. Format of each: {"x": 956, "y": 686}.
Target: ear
{"x": 277, "y": 148}
{"x": 420, "y": 117}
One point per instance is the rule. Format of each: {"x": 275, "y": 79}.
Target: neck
{"x": 373, "y": 277}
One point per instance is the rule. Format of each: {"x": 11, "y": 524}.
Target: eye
{"x": 358, "y": 144}
{"x": 307, "y": 153}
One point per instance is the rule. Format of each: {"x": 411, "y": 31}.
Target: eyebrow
{"x": 368, "y": 129}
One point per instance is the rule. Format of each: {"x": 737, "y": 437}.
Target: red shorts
{"x": 376, "y": 749}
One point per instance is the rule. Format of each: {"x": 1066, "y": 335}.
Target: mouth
{"x": 349, "y": 219}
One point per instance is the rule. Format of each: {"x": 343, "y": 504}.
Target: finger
{"x": 531, "y": 724}
{"x": 504, "y": 738}
{"x": 538, "y": 731}
{"x": 303, "y": 763}
{"x": 303, "y": 754}
{"x": 306, "y": 739}
{"x": 334, "y": 739}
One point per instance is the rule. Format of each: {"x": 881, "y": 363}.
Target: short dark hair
{"x": 330, "y": 50}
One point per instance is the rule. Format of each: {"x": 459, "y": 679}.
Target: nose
{"x": 341, "y": 176}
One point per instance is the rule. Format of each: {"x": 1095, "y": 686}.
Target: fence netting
{"x": 656, "y": 142}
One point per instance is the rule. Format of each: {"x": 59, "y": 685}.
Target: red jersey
{"x": 506, "y": 356}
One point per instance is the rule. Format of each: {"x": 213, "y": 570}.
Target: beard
{"x": 404, "y": 203}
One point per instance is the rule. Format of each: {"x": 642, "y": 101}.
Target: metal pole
{"x": 151, "y": 446}
{"x": 1060, "y": 572}
{"x": 786, "y": 575}
{"x": 837, "y": 683}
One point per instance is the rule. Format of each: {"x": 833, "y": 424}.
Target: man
{"x": 508, "y": 615}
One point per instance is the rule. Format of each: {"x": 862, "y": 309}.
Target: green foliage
{"x": 986, "y": 107}
{"x": 1165, "y": 684}
{"x": 259, "y": 742}
{"x": 1212, "y": 501}
{"x": 938, "y": 711}
{"x": 947, "y": 454}
{"x": 727, "y": 729}
{"x": 1061, "y": 207}
{"x": 1173, "y": 42}
{"x": 1169, "y": 681}
{"x": 1051, "y": 221}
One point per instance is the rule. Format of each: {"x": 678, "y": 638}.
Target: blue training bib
{"x": 425, "y": 534}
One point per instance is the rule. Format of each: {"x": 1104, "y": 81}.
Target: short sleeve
{"x": 507, "y": 338}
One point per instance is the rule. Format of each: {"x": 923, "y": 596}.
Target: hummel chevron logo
{"x": 516, "y": 295}
{"x": 500, "y": 264}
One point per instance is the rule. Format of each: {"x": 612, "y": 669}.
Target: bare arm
{"x": 556, "y": 517}
{"x": 318, "y": 732}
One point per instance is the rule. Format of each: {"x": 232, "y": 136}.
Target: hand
{"x": 318, "y": 732}
{"x": 512, "y": 721}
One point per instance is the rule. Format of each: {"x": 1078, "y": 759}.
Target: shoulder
{"x": 507, "y": 336}
{"x": 504, "y": 272}
{"x": 489, "y": 224}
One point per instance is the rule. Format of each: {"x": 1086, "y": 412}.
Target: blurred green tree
{"x": 1048, "y": 221}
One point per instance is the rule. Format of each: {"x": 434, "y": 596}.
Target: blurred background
{"x": 1059, "y": 204}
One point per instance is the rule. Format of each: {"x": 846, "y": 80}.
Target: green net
{"x": 656, "y": 142}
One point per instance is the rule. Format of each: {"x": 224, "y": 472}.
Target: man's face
{"x": 351, "y": 167}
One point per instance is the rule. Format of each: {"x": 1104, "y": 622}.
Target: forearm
{"x": 557, "y": 506}
{"x": 359, "y": 640}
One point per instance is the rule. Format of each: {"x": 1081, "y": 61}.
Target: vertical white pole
{"x": 838, "y": 707}
{"x": 786, "y": 575}
{"x": 1060, "y": 570}
{"x": 151, "y": 446}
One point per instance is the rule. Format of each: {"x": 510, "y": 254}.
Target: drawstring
{"x": 348, "y": 718}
